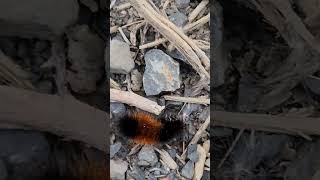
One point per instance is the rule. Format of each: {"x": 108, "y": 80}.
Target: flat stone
{"x": 120, "y": 57}
{"x": 178, "y": 18}
{"x": 118, "y": 169}
{"x": 147, "y": 154}
{"x": 162, "y": 73}
{"x": 44, "y": 19}
{"x": 117, "y": 109}
{"x": 188, "y": 170}
{"x": 114, "y": 148}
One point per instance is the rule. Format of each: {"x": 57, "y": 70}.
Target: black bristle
{"x": 128, "y": 126}
{"x": 170, "y": 129}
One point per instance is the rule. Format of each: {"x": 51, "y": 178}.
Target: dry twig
{"x": 133, "y": 99}
{"x": 187, "y": 99}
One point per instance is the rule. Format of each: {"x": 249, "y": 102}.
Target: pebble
{"x": 118, "y": 169}
{"x": 136, "y": 173}
{"x": 120, "y": 57}
{"x": 172, "y": 153}
{"x": 181, "y": 4}
{"x": 194, "y": 156}
{"x": 136, "y": 80}
{"x": 188, "y": 170}
{"x": 117, "y": 109}
{"x": 162, "y": 73}
{"x": 148, "y": 155}
{"x": 172, "y": 176}
{"x": 178, "y": 18}
{"x": 114, "y": 148}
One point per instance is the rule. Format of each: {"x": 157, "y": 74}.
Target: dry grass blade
{"x": 202, "y": 5}
{"x": 192, "y": 100}
{"x": 199, "y": 166}
{"x": 114, "y": 84}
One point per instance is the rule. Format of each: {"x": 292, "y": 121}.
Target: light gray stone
{"x": 188, "y": 170}
{"x": 178, "y": 18}
{"x": 147, "y": 154}
{"x": 162, "y": 73}
{"x": 44, "y": 19}
{"x": 118, "y": 169}
{"x": 120, "y": 57}
{"x": 114, "y": 148}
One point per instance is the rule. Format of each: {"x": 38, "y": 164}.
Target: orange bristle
{"x": 143, "y": 128}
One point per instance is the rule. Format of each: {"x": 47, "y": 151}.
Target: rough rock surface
{"x": 120, "y": 57}
{"x": 148, "y": 155}
{"x": 42, "y": 19}
{"x": 85, "y": 53}
{"x": 118, "y": 169}
{"x": 162, "y": 73}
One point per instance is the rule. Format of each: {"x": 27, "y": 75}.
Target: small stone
{"x": 143, "y": 163}
{"x": 3, "y": 170}
{"x": 178, "y": 18}
{"x": 114, "y": 148}
{"x": 162, "y": 73}
{"x": 188, "y": 170}
{"x": 136, "y": 80}
{"x": 120, "y": 57}
{"x": 136, "y": 173}
{"x": 172, "y": 153}
{"x": 147, "y": 154}
{"x": 181, "y": 4}
{"x": 117, "y": 109}
{"x": 194, "y": 156}
{"x": 172, "y": 176}
{"x": 118, "y": 169}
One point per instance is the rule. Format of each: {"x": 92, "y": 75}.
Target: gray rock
{"x": 3, "y": 170}
{"x": 91, "y": 4}
{"x": 85, "y": 53}
{"x": 42, "y": 19}
{"x": 118, "y": 169}
{"x": 147, "y": 154}
{"x": 178, "y": 18}
{"x": 162, "y": 73}
{"x": 117, "y": 109}
{"x": 172, "y": 153}
{"x": 188, "y": 170}
{"x": 182, "y": 3}
{"x": 172, "y": 176}
{"x": 177, "y": 55}
{"x": 194, "y": 156}
{"x": 120, "y": 57}
{"x": 143, "y": 163}
{"x": 114, "y": 148}
{"x": 192, "y": 153}
{"x": 136, "y": 173}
